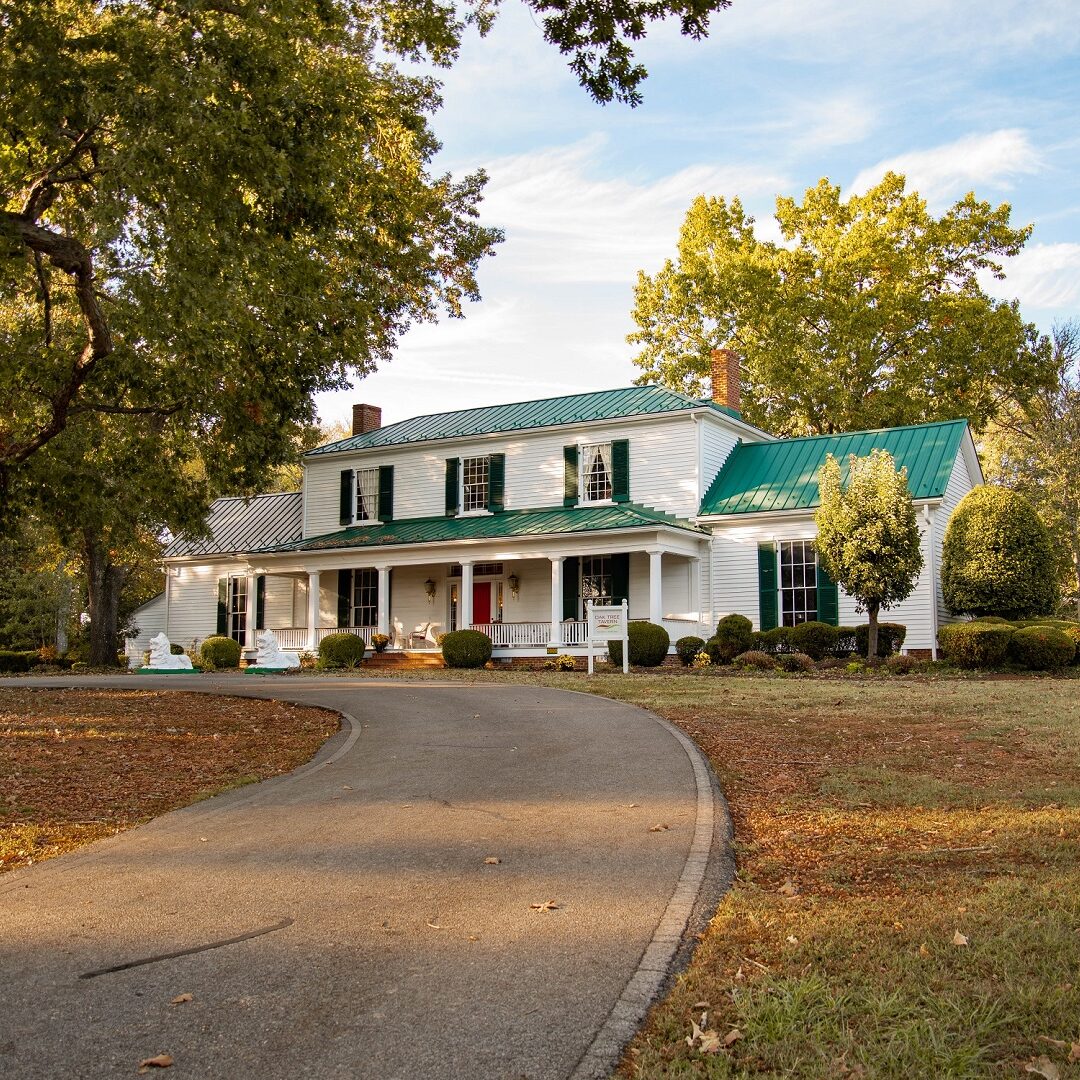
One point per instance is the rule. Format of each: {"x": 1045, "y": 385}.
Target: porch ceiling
{"x": 524, "y": 524}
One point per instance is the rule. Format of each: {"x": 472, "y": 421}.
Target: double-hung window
{"x": 798, "y": 582}
{"x": 597, "y": 583}
{"x": 596, "y": 472}
{"x": 474, "y": 483}
{"x": 365, "y": 598}
{"x": 238, "y": 609}
{"x": 367, "y": 497}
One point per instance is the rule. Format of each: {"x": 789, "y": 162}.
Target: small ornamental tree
{"x": 998, "y": 558}
{"x": 868, "y": 537}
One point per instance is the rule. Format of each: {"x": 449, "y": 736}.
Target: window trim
{"x": 357, "y": 519}
{"x": 480, "y": 511}
{"x": 781, "y": 611}
{"x": 583, "y": 480}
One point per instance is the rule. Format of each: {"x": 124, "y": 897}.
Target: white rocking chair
{"x": 424, "y": 632}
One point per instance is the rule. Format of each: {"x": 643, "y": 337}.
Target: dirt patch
{"x": 77, "y": 765}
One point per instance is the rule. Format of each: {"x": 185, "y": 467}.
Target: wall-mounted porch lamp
{"x": 430, "y": 588}
{"x": 515, "y": 585}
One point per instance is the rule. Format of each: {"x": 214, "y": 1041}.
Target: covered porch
{"x": 529, "y": 601}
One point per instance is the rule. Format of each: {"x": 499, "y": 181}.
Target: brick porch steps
{"x": 404, "y": 661}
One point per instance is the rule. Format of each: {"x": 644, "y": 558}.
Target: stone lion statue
{"x": 269, "y": 653}
{"x": 162, "y": 658}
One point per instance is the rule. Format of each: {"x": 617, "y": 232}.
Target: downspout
{"x": 929, "y": 516}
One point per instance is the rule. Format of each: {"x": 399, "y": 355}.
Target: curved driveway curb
{"x": 400, "y": 742}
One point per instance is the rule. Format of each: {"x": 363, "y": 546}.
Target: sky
{"x": 959, "y": 95}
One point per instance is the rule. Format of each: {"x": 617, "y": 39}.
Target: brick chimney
{"x": 725, "y": 378}
{"x": 365, "y": 418}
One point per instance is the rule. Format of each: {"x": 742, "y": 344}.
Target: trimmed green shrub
{"x": 341, "y": 651}
{"x": 1042, "y": 648}
{"x": 220, "y": 651}
{"x": 774, "y": 641}
{"x": 466, "y": 649}
{"x": 13, "y": 661}
{"x": 816, "y": 639}
{"x": 794, "y": 661}
{"x": 890, "y": 638}
{"x": 734, "y": 635}
{"x": 1073, "y": 631}
{"x": 846, "y": 643}
{"x": 995, "y": 619}
{"x": 688, "y": 647}
{"x": 176, "y": 649}
{"x": 998, "y": 557}
{"x": 976, "y": 644}
{"x": 648, "y": 645}
{"x": 752, "y": 660}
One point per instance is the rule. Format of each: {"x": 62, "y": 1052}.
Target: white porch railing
{"x": 295, "y": 638}
{"x": 505, "y": 634}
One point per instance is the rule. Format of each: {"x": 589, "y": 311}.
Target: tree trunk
{"x": 104, "y": 582}
{"x": 872, "y": 634}
{"x": 63, "y": 610}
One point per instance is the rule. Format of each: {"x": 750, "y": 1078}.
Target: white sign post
{"x": 604, "y": 623}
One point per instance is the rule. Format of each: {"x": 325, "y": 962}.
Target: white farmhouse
{"x": 508, "y": 518}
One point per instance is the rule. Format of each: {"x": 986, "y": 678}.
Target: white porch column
{"x": 696, "y": 605}
{"x": 556, "y": 599}
{"x": 656, "y": 603}
{"x": 466, "y": 595}
{"x": 384, "y": 599}
{"x": 312, "y": 610}
{"x": 249, "y": 634}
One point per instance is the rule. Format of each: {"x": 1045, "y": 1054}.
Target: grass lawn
{"x": 77, "y": 765}
{"x": 908, "y": 896}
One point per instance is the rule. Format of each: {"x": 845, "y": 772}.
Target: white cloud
{"x": 1045, "y": 276}
{"x": 969, "y": 163}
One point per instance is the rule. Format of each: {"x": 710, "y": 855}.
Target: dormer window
{"x": 596, "y": 472}
{"x": 474, "y": 483}
{"x": 367, "y": 495}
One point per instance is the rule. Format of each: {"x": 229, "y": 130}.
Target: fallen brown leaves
{"x": 77, "y": 765}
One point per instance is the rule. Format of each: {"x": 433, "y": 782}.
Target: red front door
{"x": 481, "y": 602}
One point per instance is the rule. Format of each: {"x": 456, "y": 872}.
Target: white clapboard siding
{"x": 149, "y": 620}
{"x": 717, "y": 442}
{"x": 193, "y": 600}
{"x": 735, "y": 573}
{"x": 960, "y": 483}
{"x": 662, "y": 470}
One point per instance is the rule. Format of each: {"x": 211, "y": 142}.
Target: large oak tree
{"x": 868, "y": 312}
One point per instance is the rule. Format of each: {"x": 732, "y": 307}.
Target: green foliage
{"x": 816, "y": 639}
{"x": 341, "y": 651}
{"x": 220, "y": 651}
{"x": 1042, "y": 648}
{"x": 868, "y": 537}
{"x": 976, "y": 644}
{"x": 734, "y": 635}
{"x": 11, "y": 661}
{"x": 687, "y": 648}
{"x": 998, "y": 558}
{"x": 466, "y": 649}
{"x": 752, "y": 660}
{"x": 774, "y": 641}
{"x": 890, "y": 638}
{"x": 176, "y": 649}
{"x": 866, "y": 313}
{"x": 795, "y": 662}
{"x": 846, "y": 645}
{"x": 648, "y": 645}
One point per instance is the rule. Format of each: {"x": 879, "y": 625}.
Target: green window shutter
{"x": 620, "y": 578}
{"x": 496, "y": 481}
{"x": 348, "y": 478}
{"x": 223, "y": 606}
{"x": 828, "y": 597}
{"x": 452, "y": 486}
{"x": 344, "y": 597}
{"x": 571, "y": 584}
{"x": 620, "y": 471}
{"x": 260, "y": 602}
{"x": 767, "y": 587}
{"x": 570, "y": 476}
{"x": 386, "y": 492}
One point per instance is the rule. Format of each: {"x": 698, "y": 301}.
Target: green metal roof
{"x": 782, "y": 475}
{"x": 510, "y": 523}
{"x": 571, "y": 409}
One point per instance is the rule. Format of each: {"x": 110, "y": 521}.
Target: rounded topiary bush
{"x": 220, "y": 651}
{"x": 998, "y": 558}
{"x": 816, "y": 639}
{"x": 341, "y": 651}
{"x": 176, "y": 649}
{"x": 648, "y": 645}
{"x": 687, "y": 648}
{"x": 1042, "y": 648}
{"x": 890, "y": 638}
{"x": 466, "y": 649}
{"x": 976, "y": 644}
{"x": 734, "y": 635}
{"x": 754, "y": 660}
{"x": 846, "y": 645}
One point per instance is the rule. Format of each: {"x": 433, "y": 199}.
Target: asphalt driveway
{"x": 377, "y": 938}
